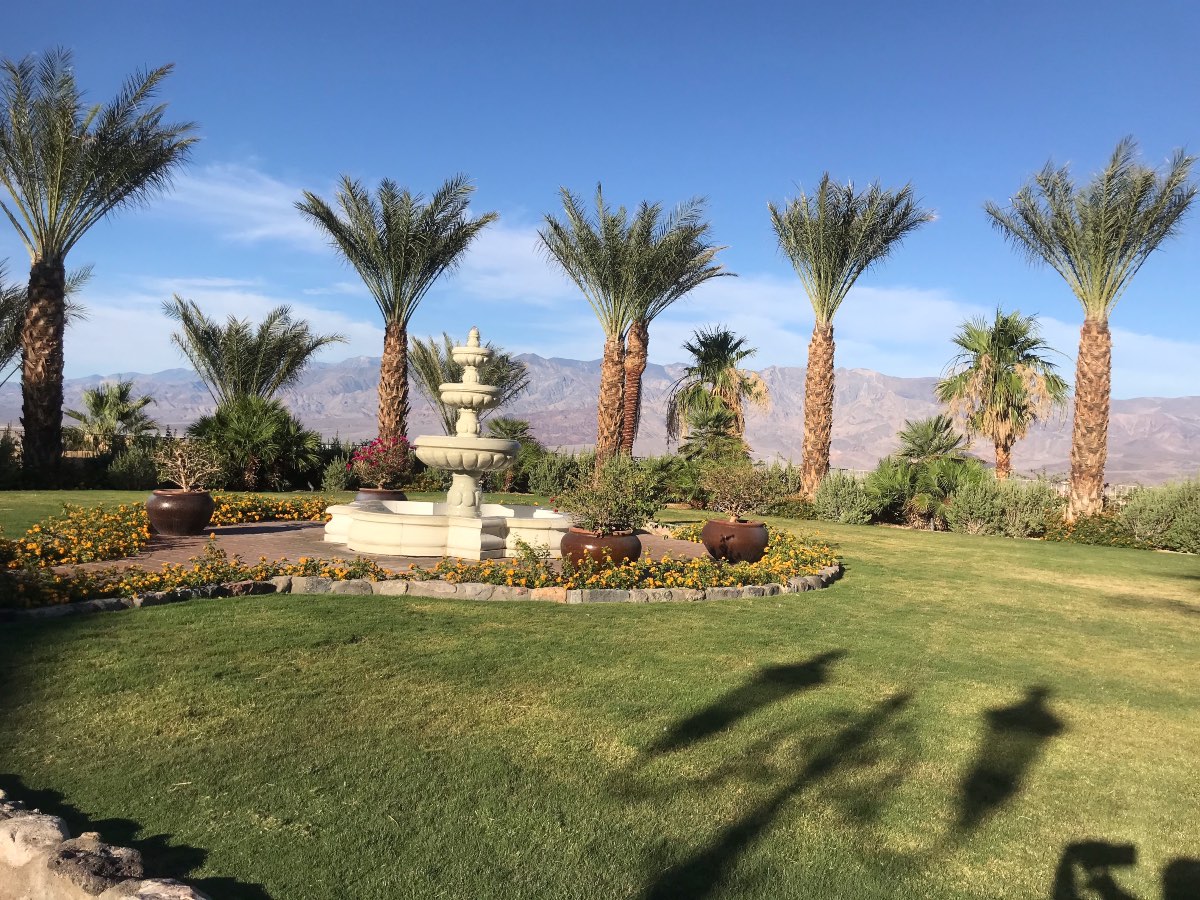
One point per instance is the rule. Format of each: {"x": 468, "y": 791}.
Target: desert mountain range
{"x": 1150, "y": 439}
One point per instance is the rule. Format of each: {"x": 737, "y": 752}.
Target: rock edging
{"x": 316, "y": 584}
{"x": 39, "y": 860}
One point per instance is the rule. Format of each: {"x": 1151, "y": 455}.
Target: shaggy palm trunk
{"x": 393, "y": 382}
{"x": 636, "y": 352}
{"x": 611, "y": 401}
{"x": 42, "y": 370}
{"x": 1089, "y": 441}
{"x": 818, "y": 410}
{"x": 1003, "y": 460}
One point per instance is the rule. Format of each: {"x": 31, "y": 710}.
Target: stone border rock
{"x": 39, "y": 860}
{"x": 316, "y": 584}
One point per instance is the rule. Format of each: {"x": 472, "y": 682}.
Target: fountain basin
{"x": 458, "y": 454}
{"x": 419, "y": 528}
{"x": 468, "y": 396}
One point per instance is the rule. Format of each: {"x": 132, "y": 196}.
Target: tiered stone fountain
{"x": 463, "y": 526}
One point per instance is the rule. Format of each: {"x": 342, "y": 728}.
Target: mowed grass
{"x": 955, "y": 718}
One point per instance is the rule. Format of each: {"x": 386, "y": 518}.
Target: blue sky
{"x": 660, "y": 101}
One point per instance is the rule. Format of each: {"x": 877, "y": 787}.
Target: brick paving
{"x": 292, "y": 540}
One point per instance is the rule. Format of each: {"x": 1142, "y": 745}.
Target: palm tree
{"x": 433, "y": 365}
{"x": 678, "y": 258}
{"x": 111, "y": 418}
{"x": 14, "y": 305}
{"x": 926, "y": 440}
{"x": 1002, "y": 381}
{"x": 1096, "y": 237}
{"x": 400, "y": 246}
{"x": 629, "y": 270}
{"x": 714, "y": 379}
{"x": 237, "y": 359}
{"x": 259, "y": 442}
{"x": 831, "y": 238}
{"x": 66, "y": 166}
{"x": 713, "y": 440}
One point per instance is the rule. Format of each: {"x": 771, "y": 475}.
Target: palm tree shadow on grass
{"x": 1015, "y": 737}
{"x": 703, "y": 874}
{"x": 769, "y": 685}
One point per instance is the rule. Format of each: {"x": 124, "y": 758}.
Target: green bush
{"x": 890, "y": 487}
{"x": 261, "y": 444}
{"x": 976, "y": 508}
{"x": 133, "y": 469}
{"x": 554, "y": 471}
{"x": 842, "y": 498}
{"x": 1166, "y": 517}
{"x": 1103, "y": 529}
{"x": 337, "y": 476}
{"x": 790, "y": 508}
{"x": 1026, "y": 507}
{"x": 620, "y": 496}
{"x": 10, "y": 459}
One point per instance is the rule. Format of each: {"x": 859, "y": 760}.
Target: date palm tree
{"x": 14, "y": 305}
{"x": 239, "y": 359}
{"x": 714, "y": 379}
{"x": 1096, "y": 237}
{"x": 400, "y": 246}
{"x": 1002, "y": 381}
{"x": 66, "y": 165}
{"x": 832, "y": 238}
{"x": 111, "y": 418}
{"x": 433, "y": 365}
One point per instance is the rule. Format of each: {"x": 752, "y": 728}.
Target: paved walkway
{"x": 292, "y": 540}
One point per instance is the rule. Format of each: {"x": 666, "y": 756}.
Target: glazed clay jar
{"x": 734, "y": 542}
{"x": 179, "y": 512}
{"x": 578, "y": 545}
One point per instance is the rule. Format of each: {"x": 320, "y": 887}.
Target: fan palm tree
{"x": 1096, "y": 237}
{"x": 629, "y": 269}
{"x": 238, "y": 359}
{"x": 1002, "y": 381}
{"x": 713, "y": 440}
{"x": 926, "y": 440}
{"x": 677, "y": 259}
{"x": 831, "y": 238}
{"x": 433, "y": 365}
{"x": 259, "y": 442}
{"x": 714, "y": 379}
{"x": 111, "y": 418}
{"x": 66, "y": 166}
{"x": 400, "y": 246}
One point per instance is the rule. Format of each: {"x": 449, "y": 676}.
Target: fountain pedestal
{"x": 463, "y": 526}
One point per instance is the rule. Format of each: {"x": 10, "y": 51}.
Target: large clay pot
{"x": 733, "y": 542}
{"x": 370, "y": 494}
{"x": 578, "y": 545}
{"x": 179, "y": 512}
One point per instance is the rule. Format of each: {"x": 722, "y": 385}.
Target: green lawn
{"x": 952, "y": 719}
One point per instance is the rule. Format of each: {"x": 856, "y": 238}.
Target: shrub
{"x": 260, "y": 444}
{"x": 790, "y": 508}
{"x": 890, "y": 488}
{"x": 934, "y": 487}
{"x": 783, "y": 478}
{"x": 554, "y": 471}
{"x": 1027, "y": 507}
{"x": 10, "y": 459}
{"x": 1103, "y": 529}
{"x": 842, "y": 498}
{"x": 976, "y": 508}
{"x": 134, "y": 469}
{"x": 619, "y": 496}
{"x": 1166, "y": 517}
{"x": 736, "y": 489}
{"x": 383, "y": 462}
{"x": 187, "y": 462}
{"x": 338, "y": 476}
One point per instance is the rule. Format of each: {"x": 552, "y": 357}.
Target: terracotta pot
{"x": 179, "y": 512}
{"x": 733, "y": 542}
{"x": 369, "y": 494}
{"x": 578, "y": 545}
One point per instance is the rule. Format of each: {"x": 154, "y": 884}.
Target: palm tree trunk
{"x": 611, "y": 400}
{"x": 393, "y": 382}
{"x": 1003, "y": 460}
{"x": 42, "y": 370}
{"x": 636, "y": 354}
{"x": 1089, "y": 442}
{"x": 818, "y": 409}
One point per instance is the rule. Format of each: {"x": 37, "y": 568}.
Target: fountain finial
{"x": 473, "y": 337}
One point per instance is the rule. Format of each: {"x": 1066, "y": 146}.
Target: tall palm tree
{"x": 831, "y": 238}
{"x": 111, "y": 417}
{"x": 433, "y": 365}
{"x": 714, "y": 379}
{"x": 400, "y": 246}
{"x": 678, "y": 258}
{"x": 238, "y": 359}
{"x": 1096, "y": 237}
{"x": 1002, "y": 381}
{"x": 66, "y": 166}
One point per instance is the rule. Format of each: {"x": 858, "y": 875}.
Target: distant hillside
{"x": 1150, "y": 440}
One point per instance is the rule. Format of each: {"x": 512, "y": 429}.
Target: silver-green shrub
{"x": 133, "y": 469}
{"x": 841, "y": 497}
{"x": 1166, "y": 517}
{"x": 554, "y": 471}
{"x": 976, "y": 508}
{"x": 1026, "y": 506}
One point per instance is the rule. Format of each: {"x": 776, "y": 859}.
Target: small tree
{"x": 736, "y": 490}
{"x": 187, "y": 463}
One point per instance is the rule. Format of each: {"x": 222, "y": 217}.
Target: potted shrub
{"x": 381, "y": 466}
{"x": 607, "y": 509}
{"x": 735, "y": 490}
{"x": 187, "y": 510}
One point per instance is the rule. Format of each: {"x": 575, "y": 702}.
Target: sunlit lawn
{"x": 955, "y": 718}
